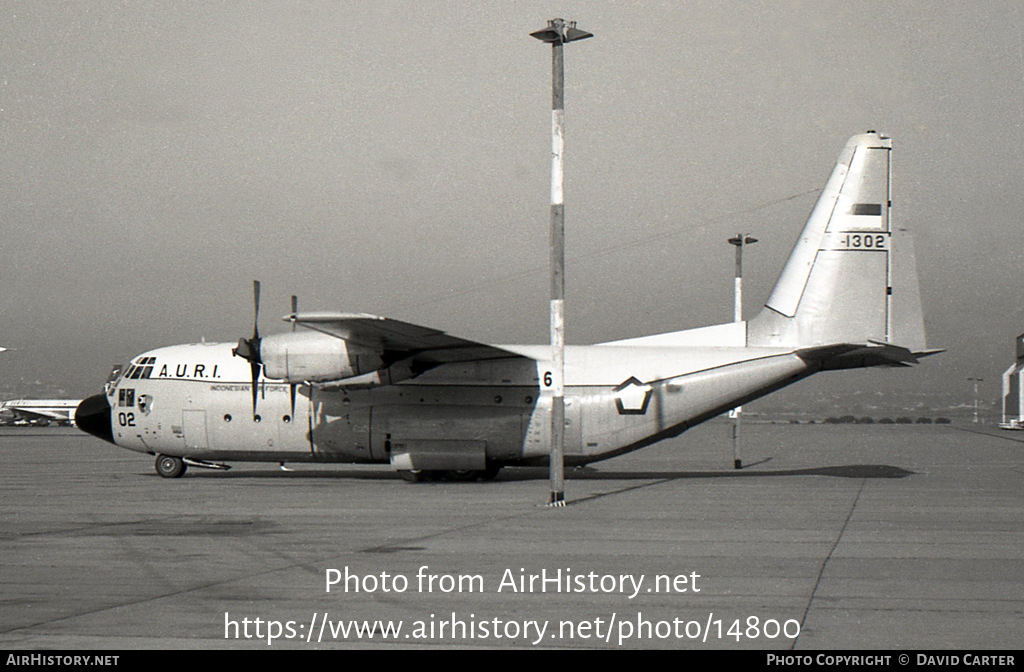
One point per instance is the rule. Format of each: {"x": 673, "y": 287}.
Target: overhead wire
{"x": 638, "y": 242}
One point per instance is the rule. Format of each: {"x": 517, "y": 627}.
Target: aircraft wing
{"x": 399, "y": 340}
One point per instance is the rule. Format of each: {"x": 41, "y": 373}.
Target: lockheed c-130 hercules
{"x": 355, "y": 388}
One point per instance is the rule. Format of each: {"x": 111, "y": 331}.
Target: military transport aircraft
{"x": 360, "y": 388}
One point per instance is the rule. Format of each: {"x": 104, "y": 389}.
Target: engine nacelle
{"x": 312, "y": 356}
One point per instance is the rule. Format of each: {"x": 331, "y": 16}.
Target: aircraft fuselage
{"x": 195, "y": 401}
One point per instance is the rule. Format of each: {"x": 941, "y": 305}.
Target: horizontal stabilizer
{"x": 928, "y": 353}
{"x": 853, "y": 356}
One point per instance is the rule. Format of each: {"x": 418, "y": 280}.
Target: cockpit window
{"x": 141, "y": 369}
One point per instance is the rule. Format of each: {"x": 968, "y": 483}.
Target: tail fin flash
{"x": 851, "y": 277}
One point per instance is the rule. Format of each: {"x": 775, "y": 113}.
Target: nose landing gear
{"x": 169, "y": 466}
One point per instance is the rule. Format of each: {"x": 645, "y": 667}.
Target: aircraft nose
{"x": 93, "y": 416}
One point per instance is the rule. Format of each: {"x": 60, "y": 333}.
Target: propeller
{"x": 249, "y": 349}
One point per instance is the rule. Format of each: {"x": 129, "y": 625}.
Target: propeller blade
{"x": 294, "y": 386}
{"x": 249, "y": 349}
{"x": 255, "y": 368}
{"x": 256, "y": 310}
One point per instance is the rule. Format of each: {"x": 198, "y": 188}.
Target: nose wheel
{"x": 170, "y": 467}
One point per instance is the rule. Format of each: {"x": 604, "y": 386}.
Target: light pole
{"x": 557, "y": 33}
{"x": 976, "y": 381}
{"x": 739, "y": 241}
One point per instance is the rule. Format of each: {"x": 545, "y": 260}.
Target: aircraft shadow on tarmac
{"x": 844, "y": 471}
{"x": 588, "y": 473}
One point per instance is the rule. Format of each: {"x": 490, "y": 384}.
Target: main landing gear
{"x": 460, "y": 475}
{"x": 170, "y": 467}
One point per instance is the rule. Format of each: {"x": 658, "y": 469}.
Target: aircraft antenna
{"x": 556, "y": 34}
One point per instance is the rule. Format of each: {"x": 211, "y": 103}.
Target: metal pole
{"x": 738, "y": 302}
{"x": 739, "y": 241}
{"x": 557, "y": 33}
{"x": 737, "y": 413}
{"x": 976, "y": 381}
{"x": 557, "y": 465}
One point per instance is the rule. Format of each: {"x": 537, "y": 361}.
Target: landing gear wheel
{"x": 412, "y": 475}
{"x": 490, "y": 473}
{"x": 472, "y": 475}
{"x": 170, "y": 467}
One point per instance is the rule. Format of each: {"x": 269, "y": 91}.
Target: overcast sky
{"x": 393, "y": 158}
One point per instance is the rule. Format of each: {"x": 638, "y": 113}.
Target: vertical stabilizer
{"x": 851, "y": 277}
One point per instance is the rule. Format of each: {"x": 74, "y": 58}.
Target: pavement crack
{"x": 824, "y": 564}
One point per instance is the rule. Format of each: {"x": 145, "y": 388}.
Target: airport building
{"x": 1013, "y": 391}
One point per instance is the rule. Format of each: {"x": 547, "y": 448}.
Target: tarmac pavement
{"x": 832, "y": 537}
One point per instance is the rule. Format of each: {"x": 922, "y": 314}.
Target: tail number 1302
{"x": 864, "y": 241}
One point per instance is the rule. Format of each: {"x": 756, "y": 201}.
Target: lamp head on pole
{"x": 742, "y": 239}
{"x": 559, "y": 31}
